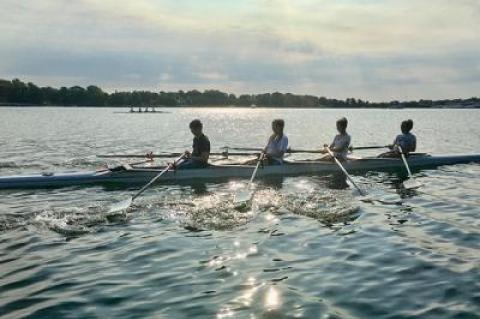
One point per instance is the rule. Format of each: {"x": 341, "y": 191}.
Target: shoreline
{"x": 240, "y": 107}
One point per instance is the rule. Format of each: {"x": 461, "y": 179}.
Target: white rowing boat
{"x": 140, "y": 175}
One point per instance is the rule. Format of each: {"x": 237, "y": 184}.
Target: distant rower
{"x": 406, "y": 141}
{"x": 198, "y": 158}
{"x": 277, "y": 143}
{"x": 341, "y": 142}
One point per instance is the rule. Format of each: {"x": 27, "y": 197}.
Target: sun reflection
{"x": 244, "y": 299}
{"x": 247, "y": 297}
{"x": 271, "y": 217}
{"x": 272, "y": 299}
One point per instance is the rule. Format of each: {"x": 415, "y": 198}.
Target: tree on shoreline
{"x": 17, "y": 92}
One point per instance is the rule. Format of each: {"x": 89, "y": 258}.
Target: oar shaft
{"x": 293, "y": 151}
{"x": 404, "y": 159}
{"x": 260, "y": 159}
{"x": 369, "y": 147}
{"x": 344, "y": 171}
{"x": 169, "y": 155}
{"x": 144, "y": 188}
{"x": 255, "y": 149}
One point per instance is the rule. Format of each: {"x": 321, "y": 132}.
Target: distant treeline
{"x": 16, "y": 92}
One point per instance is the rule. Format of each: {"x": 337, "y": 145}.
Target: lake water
{"x": 306, "y": 249}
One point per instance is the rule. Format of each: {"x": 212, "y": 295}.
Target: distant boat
{"x": 253, "y": 106}
{"x": 144, "y": 111}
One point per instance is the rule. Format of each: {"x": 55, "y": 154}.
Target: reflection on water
{"x": 308, "y": 247}
{"x": 272, "y": 299}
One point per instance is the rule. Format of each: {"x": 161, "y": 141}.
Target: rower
{"x": 277, "y": 144}
{"x": 406, "y": 142}
{"x": 198, "y": 158}
{"x": 340, "y": 143}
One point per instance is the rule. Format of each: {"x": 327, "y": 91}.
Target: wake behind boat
{"x": 129, "y": 175}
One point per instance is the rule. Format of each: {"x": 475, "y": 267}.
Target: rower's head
{"x": 342, "y": 125}
{"x": 196, "y": 127}
{"x": 406, "y": 126}
{"x": 277, "y": 126}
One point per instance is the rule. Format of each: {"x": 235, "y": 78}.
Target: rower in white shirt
{"x": 340, "y": 143}
{"x": 277, "y": 144}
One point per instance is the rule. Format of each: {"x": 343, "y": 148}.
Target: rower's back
{"x": 406, "y": 141}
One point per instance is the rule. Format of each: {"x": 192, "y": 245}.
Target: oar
{"x": 410, "y": 183}
{"x": 244, "y": 197}
{"x": 255, "y": 149}
{"x": 293, "y": 151}
{"x": 345, "y": 171}
{"x": 168, "y": 155}
{"x": 368, "y": 147}
{"x": 126, "y": 203}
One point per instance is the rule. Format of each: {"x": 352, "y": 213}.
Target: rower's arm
{"x": 340, "y": 148}
{"x": 203, "y": 157}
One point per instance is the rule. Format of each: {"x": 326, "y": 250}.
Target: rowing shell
{"x": 141, "y": 175}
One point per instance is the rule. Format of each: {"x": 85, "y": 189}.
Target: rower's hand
{"x": 188, "y": 154}
{"x": 350, "y": 149}
{"x": 149, "y": 156}
{"x": 391, "y": 146}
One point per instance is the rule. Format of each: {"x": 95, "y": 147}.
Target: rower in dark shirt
{"x": 405, "y": 143}
{"x": 198, "y": 158}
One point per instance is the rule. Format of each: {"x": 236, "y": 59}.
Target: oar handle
{"x": 344, "y": 170}
{"x": 144, "y": 188}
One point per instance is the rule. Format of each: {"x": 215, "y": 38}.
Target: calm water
{"x": 305, "y": 250}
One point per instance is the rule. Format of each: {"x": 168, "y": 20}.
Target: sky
{"x": 376, "y": 50}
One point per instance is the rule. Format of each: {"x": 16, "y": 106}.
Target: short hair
{"x": 278, "y": 122}
{"x": 343, "y": 122}
{"x": 406, "y": 126}
{"x": 410, "y": 124}
{"x": 196, "y": 124}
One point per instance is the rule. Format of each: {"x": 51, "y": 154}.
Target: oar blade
{"x": 242, "y": 199}
{"x": 411, "y": 184}
{"x": 120, "y": 206}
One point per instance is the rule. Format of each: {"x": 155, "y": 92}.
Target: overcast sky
{"x": 369, "y": 49}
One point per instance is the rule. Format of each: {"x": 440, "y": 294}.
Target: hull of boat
{"x": 222, "y": 172}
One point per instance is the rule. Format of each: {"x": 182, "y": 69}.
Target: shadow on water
{"x": 337, "y": 181}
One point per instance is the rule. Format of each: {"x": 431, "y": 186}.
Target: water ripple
{"x": 306, "y": 248}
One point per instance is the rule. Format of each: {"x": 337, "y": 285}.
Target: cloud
{"x": 371, "y": 49}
